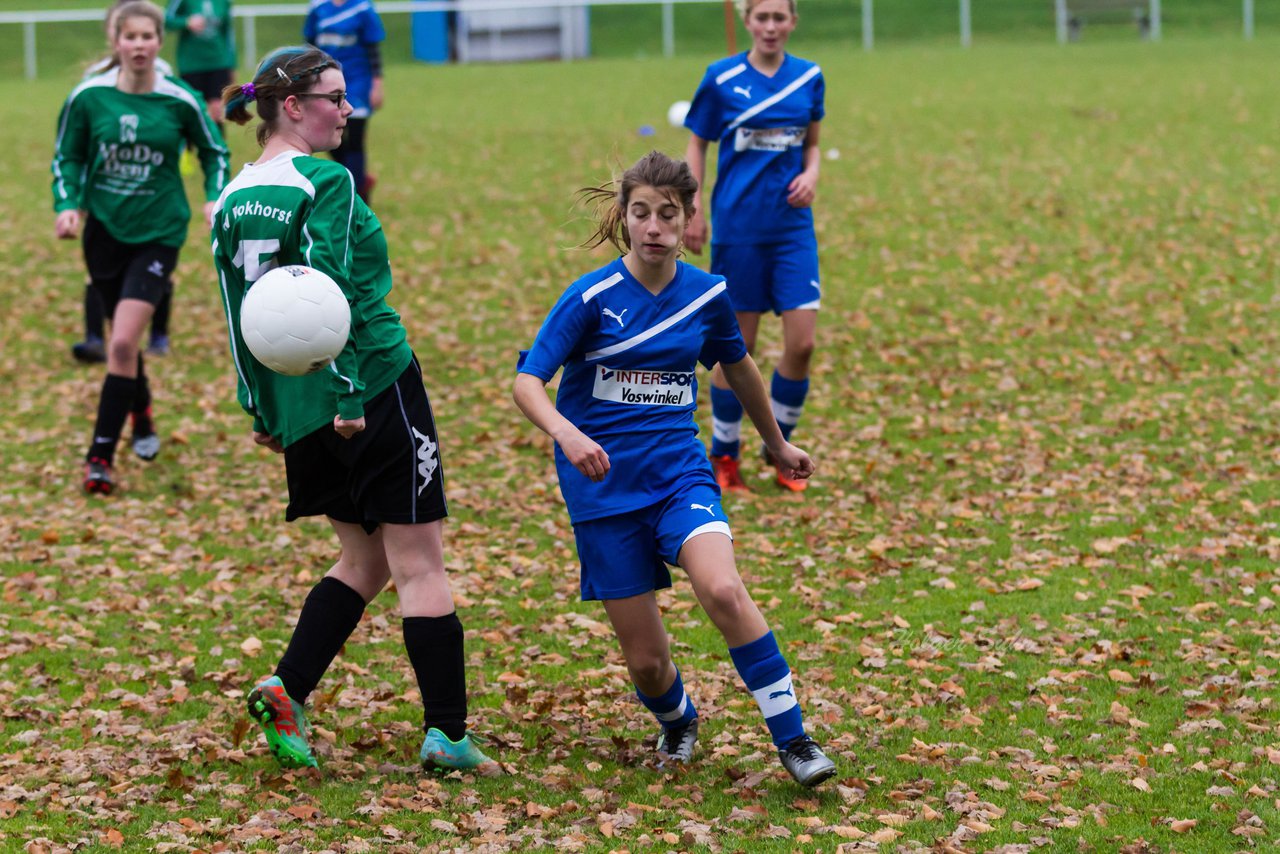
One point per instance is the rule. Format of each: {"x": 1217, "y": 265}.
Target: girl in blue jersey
{"x": 763, "y": 108}
{"x": 351, "y": 32}
{"x": 639, "y": 489}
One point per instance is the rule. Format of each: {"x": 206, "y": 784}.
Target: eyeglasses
{"x": 335, "y": 98}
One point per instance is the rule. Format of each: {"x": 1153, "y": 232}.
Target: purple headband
{"x": 249, "y": 91}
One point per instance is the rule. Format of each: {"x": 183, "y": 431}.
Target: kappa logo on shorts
{"x": 156, "y": 269}
{"x": 427, "y": 460}
{"x": 706, "y": 507}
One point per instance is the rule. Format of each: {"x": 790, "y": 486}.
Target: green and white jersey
{"x": 296, "y": 209}
{"x": 117, "y": 153}
{"x": 211, "y": 49}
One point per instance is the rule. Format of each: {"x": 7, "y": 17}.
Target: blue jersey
{"x": 760, "y": 124}
{"x": 630, "y": 381}
{"x": 345, "y": 31}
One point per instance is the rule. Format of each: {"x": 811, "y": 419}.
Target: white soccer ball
{"x": 676, "y": 113}
{"x": 295, "y": 320}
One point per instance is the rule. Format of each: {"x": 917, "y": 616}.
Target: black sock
{"x": 435, "y": 651}
{"x": 114, "y": 405}
{"x": 94, "y": 314}
{"x": 141, "y": 412}
{"x": 329, "y": 616}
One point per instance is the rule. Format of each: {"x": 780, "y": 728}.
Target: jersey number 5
{"x": 256, "y": 257}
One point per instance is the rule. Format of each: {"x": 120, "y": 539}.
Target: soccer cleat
{"x": 90, "y": 351}
{"x": 676, "y": 743}
{"x": 146, "y": 447}
{"x": 283, "y": 722}
{"x": 791, "y": 483}
{"x": 158, "y": 346}
{"x": 728, "y": 477}
{"x": 804, "y": 760}
{"x": 97, "y": 477}
{"x": 439, "y": 752}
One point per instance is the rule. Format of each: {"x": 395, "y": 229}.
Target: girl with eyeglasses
{"x": 358, "y": 438}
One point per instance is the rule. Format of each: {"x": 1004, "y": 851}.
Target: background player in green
{"x": 116, "y": 160}
{"x": 206, "y": 47}
{"x": 358, "y": 438}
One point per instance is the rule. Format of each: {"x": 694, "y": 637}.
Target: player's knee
{"x": 122, "y": 351}
{"x": 727, "y": 601}
{"x": 649, "y": 670}
{"x": 801, "y": 351}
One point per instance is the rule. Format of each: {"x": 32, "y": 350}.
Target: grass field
{"x": 1031, "y": 598}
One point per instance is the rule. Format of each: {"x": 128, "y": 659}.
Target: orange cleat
{"x": 728, "y": 477}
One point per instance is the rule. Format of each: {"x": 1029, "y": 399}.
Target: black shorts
{"x": 126, "y": 270}
{"x": 352, "y": 138}
{"x": 209, "y": 83}
{"x": 388, "y": 472}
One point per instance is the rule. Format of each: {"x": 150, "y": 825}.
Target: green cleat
{"x": 283, "y": 722}
{"x": 439, "y": 752}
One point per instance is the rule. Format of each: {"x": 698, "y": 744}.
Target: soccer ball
{"x": 676, "y": 113}
{"x": 295, "y": 320}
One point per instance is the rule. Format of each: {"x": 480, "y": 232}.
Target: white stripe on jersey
{"x": 59, "y": 183}
{"x": 279, "y": 171}
{"x": 731, "y": 73}
{"x": 657, "y": 329}
{"x": 166, "y": 86}
{"x": 601, "y": 287}
{"x": 351, "y": 387}
{"x": 343, "y": 15}
{"x": 235, "y": 355}
{"x": 777, "y": 96}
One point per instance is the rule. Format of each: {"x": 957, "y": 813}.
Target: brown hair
{"x": 285, "y": 71}
{"x": 669, "y": 176}
{"x": 745, "y": 7}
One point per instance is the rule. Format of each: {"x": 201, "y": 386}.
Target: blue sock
{"x": 787, "y": 397}
{"x": 762, "y": 667}
{"x": 673, "y": 708}
{"x": 726, "y": 423}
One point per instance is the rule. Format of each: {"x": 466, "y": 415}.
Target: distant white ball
{"x": 833, "y": 154}
{"x": 295, "y": 320}
{"x": 676, "y": 113}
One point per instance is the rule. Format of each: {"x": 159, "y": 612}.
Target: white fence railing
{"x": 250, "y": 14}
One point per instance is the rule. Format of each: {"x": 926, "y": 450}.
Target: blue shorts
{"x": 773, "y": 277}
{"x": 627, "y": 554}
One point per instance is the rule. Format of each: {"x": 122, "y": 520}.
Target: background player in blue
{"x": 763, "y": 107}
{"x": 636, "y": 480}
{"x": 351, "y": 32}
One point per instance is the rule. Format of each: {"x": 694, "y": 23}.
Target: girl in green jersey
{"x": 115, "y": 170}
{"x": 358, "y": 438}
